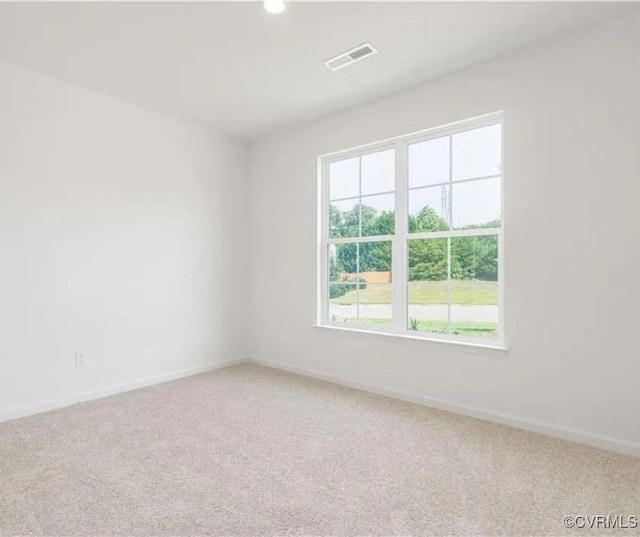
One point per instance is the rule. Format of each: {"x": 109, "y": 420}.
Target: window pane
{"x": 474, "y": 297}
{"x": 427, "y": 289}
{"x": 365, "y": 295}
{"x": 477, "y": 153}
{"x": 375, "y": 306}
{"x": 476, "y": 204}
{"x": 378, "y": 174}
{"x": 344, "y": 179}
{"x": 453, "y": 186}
{"x": 429, "y": 209}
{"x": 428, "y": 162}
{"x": 344, "y": 218}
{"x": 343, "y": 265}
{"x": 375, "y": 282}
{"x": 378, "y": 216}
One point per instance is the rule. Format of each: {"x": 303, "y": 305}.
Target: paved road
{"x": 435, "y": 312}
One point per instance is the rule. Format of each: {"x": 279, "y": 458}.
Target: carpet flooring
{"x": 249, "y": 451}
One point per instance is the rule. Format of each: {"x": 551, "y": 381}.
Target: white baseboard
{"x": 581, "y": 437}
{"x": 22, "y": 412}
{"x": 590, "y": 439}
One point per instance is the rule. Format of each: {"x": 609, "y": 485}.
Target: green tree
{"x": 427, "y": 219}
{"x": 427, "y": 259}
{"x": 471, "y": 257}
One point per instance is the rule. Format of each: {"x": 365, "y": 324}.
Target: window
{"x": 411, "y": 235}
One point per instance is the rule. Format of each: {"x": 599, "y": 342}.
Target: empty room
{"x": 286, "y": 267}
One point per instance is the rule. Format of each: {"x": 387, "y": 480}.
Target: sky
{"x": 475, "y": 153}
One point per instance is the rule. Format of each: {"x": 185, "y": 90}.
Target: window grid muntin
{"x": 402, "y": 235}
{"x": 326, "y": 178}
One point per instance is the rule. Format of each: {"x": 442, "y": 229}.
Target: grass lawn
{"x": 463, "y": 292}
{"x": 467, "y": 328}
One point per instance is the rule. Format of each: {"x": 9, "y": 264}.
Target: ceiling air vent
{"x": 351, "y": 56}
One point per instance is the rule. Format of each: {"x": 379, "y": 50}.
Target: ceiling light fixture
{"x": 274, "y": 6}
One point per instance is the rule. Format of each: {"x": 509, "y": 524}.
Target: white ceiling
{"x": 235, "y": 67}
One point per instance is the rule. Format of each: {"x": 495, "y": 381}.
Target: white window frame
{"x": 399, "y": 239}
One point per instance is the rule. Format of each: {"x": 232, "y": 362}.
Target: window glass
{"x": 344, "y": 218}
{"x": 343, "y": 291}
{"x": 378, "y": 215}
{"x": 476, "y": 203}
{"x": 477, "y": 153}
{"x": 445, "y": 231}
{"x": 429, "y": 209}
{"x": 427, "y": 286}
{"x": 428, "y": 162}
{"x": 344, "y": 179}
{"x": 378, "y": 174}
{"x": 375, "y": 281}
{"x": 474, "y": 279}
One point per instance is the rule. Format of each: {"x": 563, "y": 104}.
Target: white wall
{"x": 572, "y": 189}
{"x": 119, "y": 238}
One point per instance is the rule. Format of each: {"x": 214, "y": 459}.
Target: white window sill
{"x": 468, "y": 345}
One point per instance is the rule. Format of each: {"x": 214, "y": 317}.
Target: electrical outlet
{"x": 80, "y": 359}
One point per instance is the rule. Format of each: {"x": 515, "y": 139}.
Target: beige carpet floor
{"x": 253, "y": 451}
